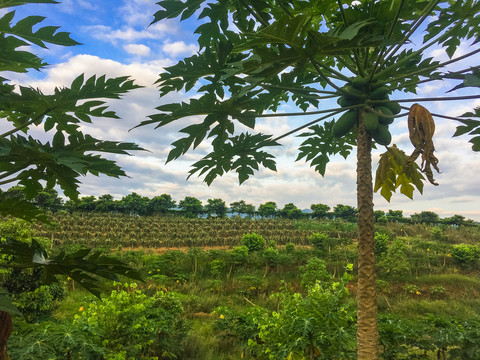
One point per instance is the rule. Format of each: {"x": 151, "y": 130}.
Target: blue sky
{"x": 117, "y": 40}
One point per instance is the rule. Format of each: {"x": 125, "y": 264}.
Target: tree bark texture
{"x": 367, "y": 332}
{"x": 5, "y": 331}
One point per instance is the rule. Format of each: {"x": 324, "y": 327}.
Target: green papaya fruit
{"x": 380, "y": 94}
{"x": 386, "y": 120}
{"x": 394, "y": 107}
{"x": 381, "y": 135}
{"x": 343, "y": 101}
{"x": 345, "y": 123}
{"x": 359, "y": 83}
{"x": 371, "y": 121}
{"x": 353, "y": 94}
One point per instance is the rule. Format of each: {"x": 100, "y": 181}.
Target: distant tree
{"x": 320, "y": 211}
{"x": 48, "y": 199}
{"x": 346, "y": 212}
{"x": 134, "y": 204}
{"x": 86, "y": 204}
{"x": 456, "y": 220}
{"x": 106, "y": 203}
{"x": 217, "y": 207}
{"x": 241, "y": 207}
{"x": 161, "y": 204}
{"x": 377, "y": 214}
{"x": 191, "y": 207}
{"x": 269, "y": 209}
{"x": 290, "y": 211}
{"x": 395, "y": 216}
{"x": 425, "y": 217}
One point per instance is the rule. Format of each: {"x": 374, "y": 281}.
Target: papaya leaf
{"x": 83, "y": 266}
{"x": 239, "y": 153}
{"x": 394, "y": 171}
{"x": 321, "y": 144}
{"x": 6, "y": 304}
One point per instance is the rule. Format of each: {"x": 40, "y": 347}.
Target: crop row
{"x": 158, "y": 231}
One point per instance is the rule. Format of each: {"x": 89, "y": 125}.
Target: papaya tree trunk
{"x": 367, "y": 331}
{"x": 5, "y": 331}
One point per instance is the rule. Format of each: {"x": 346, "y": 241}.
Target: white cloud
{"x": 109, "y": 34}
{"x": 138, "y": 12}
{"x": 179, "y": 48}
{"x": 137, "y": 49}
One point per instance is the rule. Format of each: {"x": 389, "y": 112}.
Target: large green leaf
{"x": 320, "y": 144}
{"x": 83, "y": 266}
{"x": 11, "y": 3}
{"x": 6, "y": 304}
{"x": 239, "y": 153}
{"x": 395, "y": 171}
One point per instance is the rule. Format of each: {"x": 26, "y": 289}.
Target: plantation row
{"x": 113, "y": 230}
{"x": 161, "y": 231}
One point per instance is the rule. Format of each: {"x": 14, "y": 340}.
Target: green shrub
{"x": 253, "y": 242}
{"x": 270, "y": 256}
{"x": 315, "y": 272}
{"x": 321, "y": 322}
{"x": 290, "y": 247}
{"x": 141, "y": 326}
{"x": 319, "y": 241}
{"x": 217, "y": 267}
{"x": 395, "y": 264}
{"x": 465, "y": 255}
{"x": 381, "y": 244}
{"x": 239, "y": 254}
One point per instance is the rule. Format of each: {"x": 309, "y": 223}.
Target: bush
{"x": 321, "y": 322}
{"x": 253, "y": 242}
{"x": 270, "y": 255}
{"x": 315, "y": 272}
{"x": 381, "y": 244}
{"x": 465, "y": 255}
{"x": 395, "y": 264}
{"x": 319, "y": 241}
{"x": 239, "y": 254}
{"x": 131, "y": 322}
{"x": 290, "y": 247}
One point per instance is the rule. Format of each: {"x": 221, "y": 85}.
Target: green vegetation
{"x": 277, "y": 54}
{"x": 253, "y": 297}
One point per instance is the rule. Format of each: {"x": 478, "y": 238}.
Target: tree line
{"x": 191, "y": 207}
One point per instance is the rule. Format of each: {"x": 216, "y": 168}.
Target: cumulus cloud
{"x": 112, "y": 35}
{"x": 137, "y": 49}
{"x": 179, "y": 48}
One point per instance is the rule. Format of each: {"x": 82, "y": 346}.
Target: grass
{"x": 456, "y": 280}
{"x": 412, "y": 308}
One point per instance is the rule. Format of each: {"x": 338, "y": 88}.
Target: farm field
{"x": 243, "y": 288}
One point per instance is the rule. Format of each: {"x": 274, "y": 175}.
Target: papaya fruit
{"x": 394, "y": 107}
{"x": 380, "y": 94}
{"x": 381, "y": 134}
{"x": 354, "y": 95}
{"x": 344, "y": 123}
{"x": 371, "y": 121}
{"x": 344, "y": 102}
{"x": 359, "y": 83}
{"x": 386, "y": 120}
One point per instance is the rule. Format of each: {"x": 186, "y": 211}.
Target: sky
{"x": 117, "y": 40}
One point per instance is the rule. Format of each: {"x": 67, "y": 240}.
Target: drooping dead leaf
{"x": 421, "y": 128}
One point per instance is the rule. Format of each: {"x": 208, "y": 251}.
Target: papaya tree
{"x": 60, "y": 157}
{"x": 256, "y": 55}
